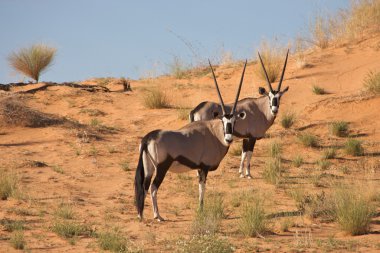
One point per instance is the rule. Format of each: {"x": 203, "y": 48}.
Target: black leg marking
{"x": 249, "y": 144}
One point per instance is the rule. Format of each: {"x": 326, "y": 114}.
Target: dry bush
{"x": 178, "y": 68}
{"x": 113, "y": 241}
{"x": 8, "y": 184}
{"x": 273, "y": 171}
{"x": 273, "y": 57}
{"x": 32, "y": 61}
{"x": 16, "y": 113}
{"x": 353, "y": 147}
{"x": 253, "y": 221}
{"x": 17, "y": 240}
{"x": 371, "y": 82}
{"x": 155, "y": 99}
{"x": 320, "y": 31}
{"x": 339, "y": 128}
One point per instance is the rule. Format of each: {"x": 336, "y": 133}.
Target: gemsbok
{"x": 197, "y": 146}
{"x": 257, "y": 116}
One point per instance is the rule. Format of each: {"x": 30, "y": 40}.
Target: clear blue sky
{"x": 131, "y": 38}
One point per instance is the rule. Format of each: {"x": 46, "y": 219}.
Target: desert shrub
{"x": 272, "y": 171}
{"x": 329, "y": 153}
{"x": 12, "y": 225}
{"x": 69, "y": 229}
{"x": 113, "y": 241}
{"x": 339, "y": 128}
{"x": 275, "y": 149}
{"x": 297, "y": 161}
{"x": 32, "y": 61}
{"x": 353, "y": 211}
{"x": 155, "y": 99}
{"x": 320, "y": 31}
{"x": 323, "y": 164}
{"x": 287, "y": 120}
{"x": 353, "y": 147}
{"x": 205, "y": 244}
{"x": 8, "y": 184}
{"x": 308, "y": 140}
{"x": 65, "y": 211}
{"x": 371, "y": 82}
{"x": 17, "y": 240}
{"x": 207, "y": 220}
{"x": 318, "y": 90}
{"x": 16, "y": 113}
{"x": 273, "y": 56}
{"x": 253, "y": 218}
{"x": 178, "y": 68}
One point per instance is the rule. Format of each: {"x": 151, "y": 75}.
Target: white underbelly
{"x": 178, "y": 168}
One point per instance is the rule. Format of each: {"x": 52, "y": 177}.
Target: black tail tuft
{"x": 139, "y": 183}
{"x": 191, "y": 116}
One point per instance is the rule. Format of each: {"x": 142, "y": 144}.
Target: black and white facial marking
{"x": 274, "y": 98}
{"x": 228, "y": 125}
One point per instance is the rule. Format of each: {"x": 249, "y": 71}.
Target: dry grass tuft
{"x": 273, "y": 171}
{"x": 353, "y": 147}
{"x": 318, "y": 90}
{"x": 8, "y": 184}
{"x": 17, "y": 240}
{"x": 287, "y": 120}
{"x": 339, "y": 128}
{"x": 155, "y": 99}
{"x": 273, "y": 56}
{"x": 308, "y": 140}
{"x": 113, "y": 241}
{"x": 320, "y": 31}
{"x": 204, "y": 243}
{"x": 371, "y": 82}
{"x": 253, "y": 219}
{"x": 32, "y": 61}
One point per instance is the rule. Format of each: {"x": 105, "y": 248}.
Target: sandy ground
{"x": 95, "y": 176}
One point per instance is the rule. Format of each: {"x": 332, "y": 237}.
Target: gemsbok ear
{"x": 262, "y": 91}
{"x": 285, "y": 90}
{"x": 242, "y": 115}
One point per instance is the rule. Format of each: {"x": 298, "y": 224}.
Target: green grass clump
{"x": 308, "y": 140}
{"x": 323, "y": 164}
{"x": 329, "y": 153}
{"x": 12, "y": 225}
{"x": 353, "y": 211}
{"x": 204, "y": 244}
{"x": 275, "y": 149}
{"x": 339, "y": 128}
{"x": 65, "y": 211}
{"x": 207, "y": 221}
{"x": 69, "y": 229}
{"x": 17, "y": 240}
{"x": 353, "y": 147}
{"x": 287, "y": 120}
{"x": 318, "y": 90}
{"x": 32, "y": 61}
{"x": 8, "y": 184}
{"x": 297, "y": 161}
{"x": 253, "y": 219}
{"x": 371, "y": 82}
{"x": 113, "y": 241}
{"x": 272, "y": 171}
{"x": 155, "y": 99}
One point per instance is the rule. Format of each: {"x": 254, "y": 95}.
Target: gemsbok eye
{"x": 242, "y": 115}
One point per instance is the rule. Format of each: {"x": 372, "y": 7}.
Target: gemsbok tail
{"x": 191, "y": 116}
{"x": 139, "y": 182}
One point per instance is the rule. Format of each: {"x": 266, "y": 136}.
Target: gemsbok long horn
{"x": 265, "y": 72}
{"x": 238, "y": 92}
{"x": 217, "y": 88}
{"x": 283, "y": 72}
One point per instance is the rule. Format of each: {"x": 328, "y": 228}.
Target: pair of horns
{"x": 237, "y": 94}
{"x": 282, "y": 75}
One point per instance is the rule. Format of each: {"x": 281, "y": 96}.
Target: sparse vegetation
{"x": 308, "y": 140}
{"x": 65, "y": 211}
{"x": 339, "y": 128}
{"x": 275, "y": 149}
{"x": 353, "y": 147}
{"x": 320, "y": 33}
{"x": 236, "y": 150}
{"x": 297, "y": 161}
{"x": 17, "y": 240}
{"x": 58, "y": 169}
{"x": 272, "y": 55}
{"x": 183, "y": 113}
{"x": 204, "y": 244}
{"x": 323, "y": 164}
{"x": 287, "y": 120}
{"x": 113, "y": 241}
{"x": 371, "y": 82}
{"x": 318, "y": 90}
{"x": 12, "y": 225}
{"x": 69, "y": 229}
{"x": 125, "y": 166}
{"x": 178, "y": 68}
{"x": 272, "y": 171}
{"x": 155, "y": 99}
{"x": 353, "y": 211}
{"x": 253, "y": 219}
{"x": 207, "y": 221}
{"x": 32, "y": 61}
{"x": 8, "y": 184}
{"x": 329, "y": 153}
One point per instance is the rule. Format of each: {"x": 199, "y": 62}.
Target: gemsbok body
{"x": 256, "y": 116}
{"x": 197, "y": 146}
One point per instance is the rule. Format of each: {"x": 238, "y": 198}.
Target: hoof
{"x": 139, "y": 217}
{"x": 159, "y": 219}
{"x": 241, "y": 175}
{"x": 249, "y": 176}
